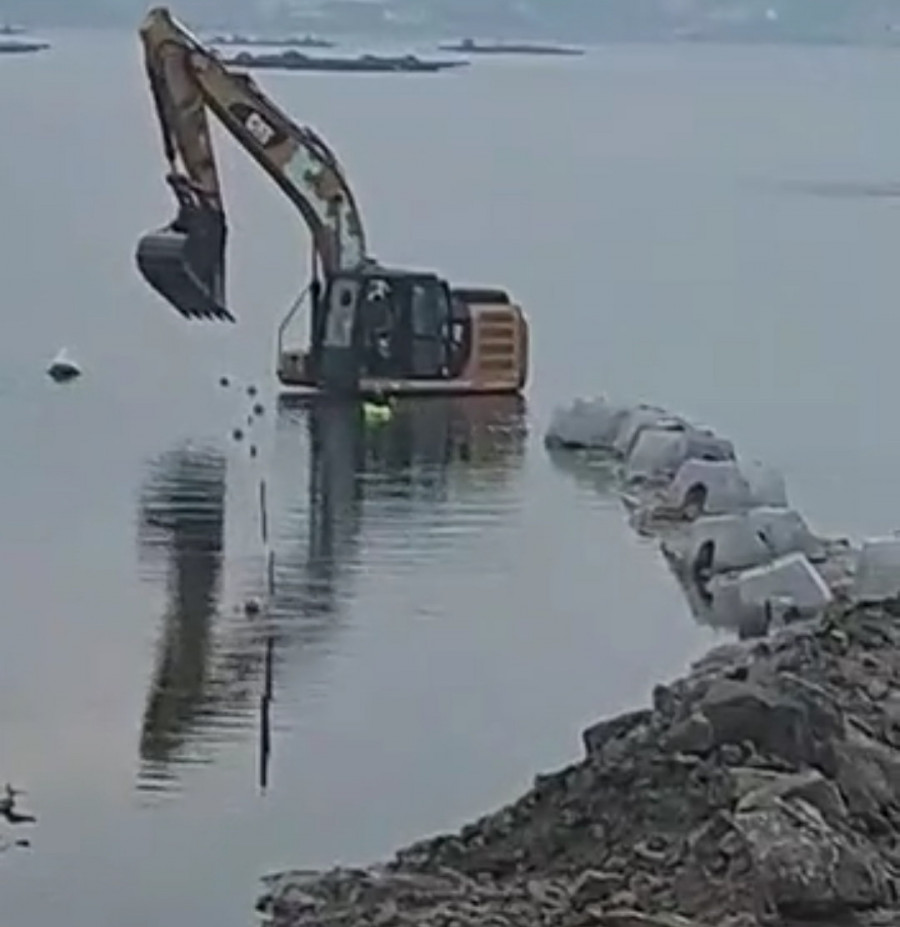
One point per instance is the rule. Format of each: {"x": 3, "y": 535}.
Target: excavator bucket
{"x": 185, "y": 262}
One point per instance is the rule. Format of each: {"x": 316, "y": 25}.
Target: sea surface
{"x": 713, "y": 229}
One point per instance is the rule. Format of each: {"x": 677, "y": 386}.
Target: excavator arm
{"x": 185, "y": 260}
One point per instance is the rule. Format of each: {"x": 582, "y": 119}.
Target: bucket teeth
{"x": 185, "y": 263}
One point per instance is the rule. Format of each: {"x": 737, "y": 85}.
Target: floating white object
{"x": 63, "y": 368}
{"x": 658, "y": 452}
{"x": 587, "y": 423}
{"x": 877, "y": 570}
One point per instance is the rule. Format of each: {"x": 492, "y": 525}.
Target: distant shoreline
{"x": 439, "y": 37}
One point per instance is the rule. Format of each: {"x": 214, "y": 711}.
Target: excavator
{"x": 373, "y": 329}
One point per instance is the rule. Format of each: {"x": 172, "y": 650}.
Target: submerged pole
{"x": 265, "y": 724}
{"x": 263, "y": 513}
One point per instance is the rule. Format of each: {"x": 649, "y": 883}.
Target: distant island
{"x": 370, "y": 64}
{"x": 21, "y": 47}
{"x": 470, "y": 46}
{"x": 291, "y": 41}
{"x": 14, "y": 41}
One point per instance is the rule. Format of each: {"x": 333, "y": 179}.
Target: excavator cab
{"x": 185, "y": 260}
{"x": 385, "y": 325}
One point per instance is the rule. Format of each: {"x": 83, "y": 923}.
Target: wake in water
{"x": 842, "y": 189}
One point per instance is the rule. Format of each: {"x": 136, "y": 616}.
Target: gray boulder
{"x": 809, "y": 785}
{"x": 868, "y": 773}
{"x": 804, "y": 868}
{"x": 793, "y": 727}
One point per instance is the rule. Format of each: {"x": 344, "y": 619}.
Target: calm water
{"x": 451, "y": 608}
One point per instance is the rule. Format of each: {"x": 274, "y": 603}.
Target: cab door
{"x": 429, "y": 323}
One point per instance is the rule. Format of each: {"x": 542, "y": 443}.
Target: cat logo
{"x": 259, "y": 128}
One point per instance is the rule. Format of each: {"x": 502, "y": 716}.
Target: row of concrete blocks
{"x": 746, "y": 559}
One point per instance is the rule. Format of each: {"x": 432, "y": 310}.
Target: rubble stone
{"x": 762, "y": 788}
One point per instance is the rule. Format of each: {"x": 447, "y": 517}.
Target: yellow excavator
{"x": 373, "y": 329}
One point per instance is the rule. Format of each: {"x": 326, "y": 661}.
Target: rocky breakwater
{"x": 762, "y": 788}
{"x": 746, "y": 560}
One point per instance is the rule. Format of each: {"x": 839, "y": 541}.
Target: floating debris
{"x": 23, "y": 843}
{"x": 63, "y": 368}
{"x": 237, "y": 434}
{"x": 8, "y": 808}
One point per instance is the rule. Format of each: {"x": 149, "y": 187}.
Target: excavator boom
{"x": 185, "y": 260}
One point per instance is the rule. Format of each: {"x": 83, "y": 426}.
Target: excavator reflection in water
{"x": 182, "y": 514}
{"x": 210, "y": 666}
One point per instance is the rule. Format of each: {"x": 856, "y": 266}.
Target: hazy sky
{"x": 590, "y": 17}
